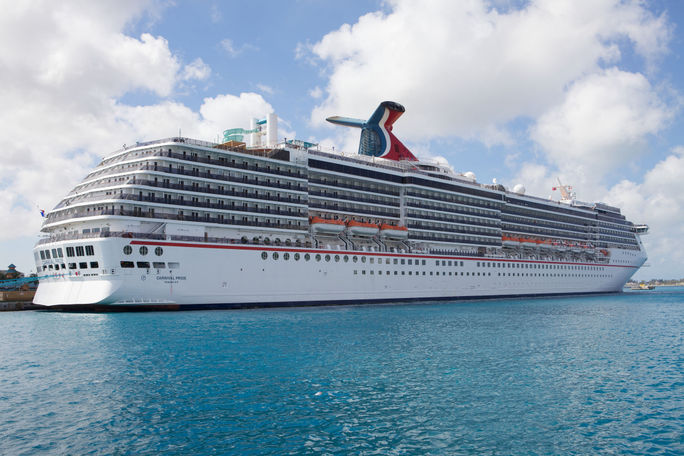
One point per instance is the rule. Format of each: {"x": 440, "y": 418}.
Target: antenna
{"x": 565, "y": 192}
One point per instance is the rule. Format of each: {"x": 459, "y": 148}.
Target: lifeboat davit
{"x": 510, "y": 241}
{"x": 393, "y": 231}
{"x": 355, "y": 228}
{"x": 325, "y": 226}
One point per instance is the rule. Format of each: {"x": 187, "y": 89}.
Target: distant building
{"x": 10, "y": 273}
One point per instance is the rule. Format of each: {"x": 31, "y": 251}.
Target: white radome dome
{"x": 519, "y": 189}
{"x": 469, "y": 175}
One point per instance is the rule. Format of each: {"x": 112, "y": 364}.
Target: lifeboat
{"x": 510, "y": 241}
{"x": 544, "y": 244}
{"x": 559, "y": 246}
{"x": 393, "y": 231}
{"x": 589, "y": 248}
{"x": 325, "y": 226}
{"x": 355, "y": 228}
{"x": 575, "y": 248}
{"x": 526, "y": 242}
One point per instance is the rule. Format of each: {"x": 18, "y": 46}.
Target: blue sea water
{"x": 590, "y": 375}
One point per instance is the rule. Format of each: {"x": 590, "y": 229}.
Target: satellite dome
{"x": 519, "y": 189}
{"x": 469, "y": 175}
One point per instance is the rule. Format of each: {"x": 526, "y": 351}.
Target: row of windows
{"x": 318, "y": 257}
{"x": 446, "y": 263}
{"x": 127, "y": 250}
{"x": 432, "y": 273}
{"x": 78, "y": 250}
{"x": 488, "y": 274}
{"x": 146, "y": 264}
{"x": 80, "y": 265}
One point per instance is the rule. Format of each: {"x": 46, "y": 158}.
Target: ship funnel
{"x": 377, "y": 139}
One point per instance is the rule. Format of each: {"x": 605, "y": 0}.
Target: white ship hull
{"x": 215, "y": 275}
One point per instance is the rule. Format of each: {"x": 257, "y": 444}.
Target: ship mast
{"x": 565, "y": 191}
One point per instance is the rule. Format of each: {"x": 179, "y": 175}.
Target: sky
{"x": 525, "y": 92}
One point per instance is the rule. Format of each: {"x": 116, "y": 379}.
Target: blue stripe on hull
{"x": 261, "y": 305}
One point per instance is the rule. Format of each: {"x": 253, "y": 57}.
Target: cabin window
{"x": 143, "y": 264}
{"x": 83, "y": 265}
{"x": 174, "y": 265}
{"x": 143, "y": 250}
{"x": 89, "y": 250}
{"x": 127, "y": 250}
{"x": 159, "y": 265}
{"x": 79, "y": 250}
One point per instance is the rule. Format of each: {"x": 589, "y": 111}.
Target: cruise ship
{"x": 256, "y": 222}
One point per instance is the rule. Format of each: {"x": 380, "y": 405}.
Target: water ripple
{"x": 567, "y": 376}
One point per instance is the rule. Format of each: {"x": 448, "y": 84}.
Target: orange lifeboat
{"x": 544, "y": 244}
{"x": 393, "y": 231}
{"x": 510, "y": 241}
{"x": 320, "y": 225}
{"x": 355, "y": 228}
{"x": 527, "y": 242}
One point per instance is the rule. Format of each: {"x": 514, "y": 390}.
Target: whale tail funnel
{"x": 377, "y": 139}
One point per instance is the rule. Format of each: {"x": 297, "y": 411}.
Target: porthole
{"x": 355, "y": 259}
{"x": 275, "y": 255}
{"x": 318, "y": 257}
{"x": 158, "y": 251}
{"x": 346, "y": 258}
{"x": 327, "y": 258}
{"x": 127, "y": 250}
{"x": 143, "y": 250}
{"x": 296, "y": 257}
{"x": 307, "y": 257}
{"x": 337, "y": 258}
{"x": 363, "y": 259}
{"x": 264, "y": 255}
{"x": 286, "y": 256}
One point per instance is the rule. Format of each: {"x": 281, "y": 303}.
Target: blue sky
{"x": 525, "y": 92}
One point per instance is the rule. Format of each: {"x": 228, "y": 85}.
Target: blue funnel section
{"x": 346, "y": 121}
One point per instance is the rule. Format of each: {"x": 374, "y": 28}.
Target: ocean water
{"x": 585, "y": 376}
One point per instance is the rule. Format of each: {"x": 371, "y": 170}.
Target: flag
{"x": 553, "y": 189}
{"x": 42, "y": 213}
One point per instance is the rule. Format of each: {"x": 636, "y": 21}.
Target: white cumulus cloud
{"x": 65, "y": 66}
{"x": 604, "y": 121}
{"x": 467, "y": 69}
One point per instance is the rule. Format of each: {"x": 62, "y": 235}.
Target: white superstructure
{"x": 180, "y": 222}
